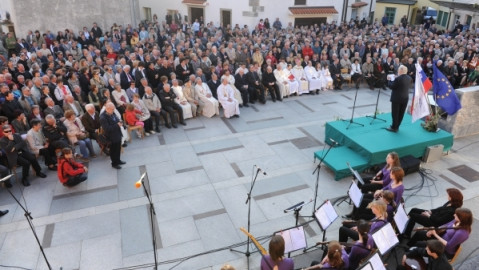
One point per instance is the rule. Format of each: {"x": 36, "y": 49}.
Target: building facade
{"x": 394, "y": 10}
{"x": 249, "y": 12}
{"x": 464, "y": 11}
{"x": 56, "y": 16}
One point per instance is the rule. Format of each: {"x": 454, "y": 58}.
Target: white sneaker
{"x": 152, "y": 132}
{"x": 138, "y": 134}
{"x": 147, "y": 134}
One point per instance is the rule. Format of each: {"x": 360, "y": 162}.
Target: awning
{"x": 194, "y": 2}
{"x": 399, "y": 2}
{"x": 359, "y": 4}
{"x": 468, "y": 5}
{"x": 313, "y": 10}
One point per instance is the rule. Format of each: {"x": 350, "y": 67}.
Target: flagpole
{"x": 420, "y": 93}
{"x": 429, "y": 103}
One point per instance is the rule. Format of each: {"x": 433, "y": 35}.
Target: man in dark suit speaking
{"x": 399, "y": 97}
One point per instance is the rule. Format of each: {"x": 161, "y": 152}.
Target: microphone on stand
{"x": 296, "y": 206}
{"x": 333, "y": 141}
{"x": 261, "y": 170}
{"x": 139, "y": 182}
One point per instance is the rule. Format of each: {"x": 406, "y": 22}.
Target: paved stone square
{"x": 199, "y": 176}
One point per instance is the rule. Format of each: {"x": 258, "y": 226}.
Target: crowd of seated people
{"x": 181, "y": 72}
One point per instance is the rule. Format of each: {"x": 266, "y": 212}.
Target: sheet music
{"x": 325, "y": 215}
{"x": 294, "y": 239}
{"x": 401, "y": 219}
{"x": 298, "y": 239}
{"x": 385, "y": 238}
{"x": 355, "y": 173}
{"x": 366, "y": 266}
{"x": 376, "y": 262}
{"x": 355, "y": 194}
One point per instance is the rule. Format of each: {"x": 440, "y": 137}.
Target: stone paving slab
{"x": 97, "y": 253}
{"x": 135, "y": 231}
{"x": 187, "y": 206}
{"x": 178, "y": 231}
{"x": 217, "y": 167}
{"x": 84, "y": 200}
{"x": 24, "y": 241}
{"x": 66, "y": 256}
{"x": 85, "y": 228}
{"x": 216, "y": 146}
{"x": 179, "y": 181}
{"x": 184, "y": 157}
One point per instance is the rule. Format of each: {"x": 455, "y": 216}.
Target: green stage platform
{"x": 368, "y": 145}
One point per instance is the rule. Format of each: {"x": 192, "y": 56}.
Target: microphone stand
{"x": 248, "y": 201}
{"x": 29, "y": 218}
{"x": 296, "y": 208}
{"x": 351, "y": 121}
{"x": 317, "y": 170}
{"x": 152, "y": 218}
{"x": 374, "y": 117}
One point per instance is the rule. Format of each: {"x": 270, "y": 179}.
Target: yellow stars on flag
{"x": 449, "y": 90}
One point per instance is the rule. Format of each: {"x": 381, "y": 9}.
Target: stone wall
{"x": 55, "y": 15}
{"x": 465, "y": 121}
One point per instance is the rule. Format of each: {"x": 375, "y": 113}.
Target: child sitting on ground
{"x": 70, "y": 172}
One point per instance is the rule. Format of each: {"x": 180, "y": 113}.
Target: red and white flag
{"x": 419, "y": 106}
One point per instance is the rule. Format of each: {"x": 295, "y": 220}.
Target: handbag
{"x": 82, "y": 136}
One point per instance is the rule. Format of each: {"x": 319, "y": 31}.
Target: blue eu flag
{"x": 444, "y": 93}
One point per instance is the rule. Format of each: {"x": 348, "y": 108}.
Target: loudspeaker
{"x": 433, "y": 153}
{"x": 410, "y": 164}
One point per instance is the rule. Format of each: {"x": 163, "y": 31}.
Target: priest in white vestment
{"x": 210, "y": 104}
{"x": 231, "y": 81}
{"x": 300, "y": 77}
{"x": 313, "y": 78}
{"x": 282, "y": 80}
{"x": 181, "y": 99}
{"x": 293, "y": 83}
{"x": 226, "y": 97}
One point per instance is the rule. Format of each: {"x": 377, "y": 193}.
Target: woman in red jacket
{"x": 307, "y": 50}
{"x": 70, "y": 172}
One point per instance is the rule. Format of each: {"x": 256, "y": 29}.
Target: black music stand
{"x": 401, "y": 219}
{"x": 356, "y": 176}
{"x": 247, "y": 253}
{"x": 374, "y": 117}
{"x": 325, "y": 215}
{"x": 351, "y": 121}
{"x": 373, "y": 262}
{"x": 354, "y": 195}
{"x": 386, "y": 240}
{"x": 29, "y": 218}
{"x": 294, "y": 239}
